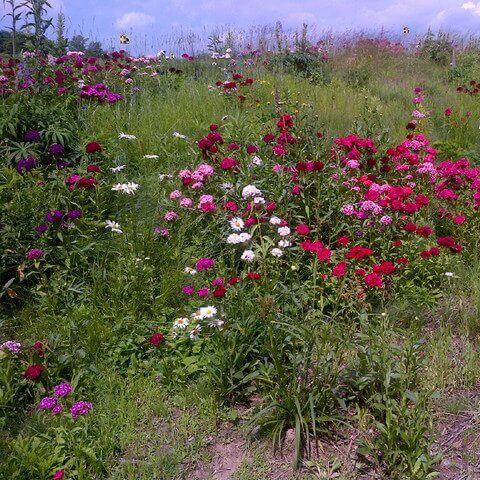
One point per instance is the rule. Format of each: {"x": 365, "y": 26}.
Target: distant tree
{"x": 21, "y": 41}
{"x": 36, "y": 13}
{"x": 15, "y": 15}
{"x": 78, "y": 43}
{"x": 95, "y": 49}
{"x": 61, "y": 42}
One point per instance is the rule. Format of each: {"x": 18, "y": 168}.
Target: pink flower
{"x": 58, "y": 475}
{"x": 186, "y": 202}
{"x": 170, "y": 216}
{"x": 175, "y": 194}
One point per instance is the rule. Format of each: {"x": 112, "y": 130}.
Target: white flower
{"x": 163, "y": 176}
{"x": 118, "y": 169}
{"x": 284, "y": 231}
{"x": 190, "y": 271}
{"x": 179, "y": 135}
{"x": 275, "y": 220}
{"x": 449, "y": 274}
{"x": 248, "y": 255}
{"x": 276, "y": 252}
{"x": 216, "y": 323}
{"x": 113, "y": 226}
{"x": 250, "y": 191}
{"x": 195, "y": 332}
{"x": 129, "y": 188}
{"x": 226, "y": 186}
{"x": 207, "y": 312}
{"x": 259, "y": 201}
{"x": 126, "y": 136}
{"x": 284, "y": 243}
{"x": 245, "y": 237}
{"x": 237, "y": 224}
{"x": 257, "y": 161}
{"x": 234, "y": 238}
{"x": 151, "y": 156}
{"x": 181, "y": 323}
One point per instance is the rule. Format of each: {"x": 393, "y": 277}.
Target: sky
{"x": 154, "y": 21}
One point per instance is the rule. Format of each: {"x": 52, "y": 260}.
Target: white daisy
{"x": 126, "y": 136}
{"x": 179, "y": 135}
{"x": 113, "y": 226}
{"x": 118, "y": 169}
{"x": 284, "y": 231}
{"x": 207, "y": 312}
{"x": 276, "y": 252}
{"x": 275, "y": 220}
{"x": 237, "y": 224}
{"x": 190, "y": 271}
{"x": 181, "y": 323}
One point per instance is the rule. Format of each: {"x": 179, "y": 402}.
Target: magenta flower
{"x": 204, "y": 264}
{"x": 34, "y": 254}
{"x": 62, "y": 390}
{"x": 47, "y": 403}
{"x": 80, "y": 408}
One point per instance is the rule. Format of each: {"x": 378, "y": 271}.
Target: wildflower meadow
{"x": 255, "y": 260}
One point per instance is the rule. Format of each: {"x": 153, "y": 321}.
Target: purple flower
{"x": 42, "y": 228}
{"x": 57, "y": 409}
{"x": 26, "y": 164}
{"x": 11, "y": 346}
{"x": 46, "y": 403}
{"x": 56, "y": 149}
{"x": 32, "y": 136}
{"x": 73, "y": 214}
{"x": 62, "y": 390}
{"x": 34, "y": 254}
{"x": 54, "y": 216}
{"x": 80, "y": 408}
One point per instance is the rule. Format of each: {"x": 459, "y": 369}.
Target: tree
{"x": 15, "y": 15}
{"x": 78, "y": 43}
{"x": 36, "y": 11}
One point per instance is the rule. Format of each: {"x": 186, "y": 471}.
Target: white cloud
{"x": 134, "y": 19}
{"x": 474, "y": 7}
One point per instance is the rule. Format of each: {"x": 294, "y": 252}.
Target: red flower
{"x": 324, "y": 254}
{"x": 424, "y": 231}
{"x": 357, "y": 252}
{"x": 302, "y": 229}
{"x": 94, "y": 169}
{"x": 343, "y": 241}
{"x": 219, "y": 292}
{"x": 228, "y": 163}
{"x": 373, "y": 280}
{"x": 33, "y": 372}
{"x": 233, "y": 281}
{"x": 156, "y": 339}
{"x": 384, "y": 268}
{"x": 410, "y": 227}
{"x": 254, "y": 276}
{"x": 93, "y": 147}
{"x": 340, "y": 269}
{"x": 213, "y": 127}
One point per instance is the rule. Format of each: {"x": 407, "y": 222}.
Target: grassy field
{"x": 304, "y": 380}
